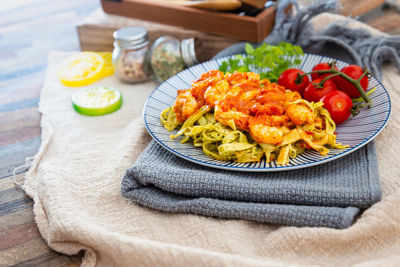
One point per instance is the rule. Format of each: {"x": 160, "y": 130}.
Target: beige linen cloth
{"x": 75, "y": 183}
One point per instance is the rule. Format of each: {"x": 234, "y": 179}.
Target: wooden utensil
{"x": 215, "y": 4}
{"x": 247, "y": 28}
{"x": 255, "y": 3}
{"x": 222, "y": 5}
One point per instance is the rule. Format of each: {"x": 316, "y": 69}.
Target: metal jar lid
{"x": 188, "y": 52}
{"x": 131, "y": 37}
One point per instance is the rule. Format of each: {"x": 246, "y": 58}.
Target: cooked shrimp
{"x": 209, "y": 78}
{"x": 206, "y": 80}
{"x": 266, "y": 134}
{"x": 292, "y": 95}
{"x": 185, "y": 105}
{"x": 249, "y": 95}
{"x": 270, "y": 109}
{"x": 233, "y": 93}
{"x": 241, "y": 77}
{"x": 214, "y": 94}
{"x": 272, "y": 96}
{"x": 270, "y": 120}
{"x": 245, "y": 80}
{"x": 241, "y": 119}
{"x": 300, "y": 113}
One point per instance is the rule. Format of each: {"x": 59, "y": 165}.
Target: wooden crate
{"x": 95, "y": 33}
{"x": 247, "y": 28}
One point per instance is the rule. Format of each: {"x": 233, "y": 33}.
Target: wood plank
{"x": 389, "y": 22}
{"x": 15, "y": 219}
{"x": 16, "y": 154}
{"x": 19, "y": 231}
{"x": 41, "y": 9}
{"x": 356, "y": 8}
{"x": 18, "y": 94}
{"x": 35, "y": 253}
{"x": 16, "y": 4}
{"x": 11, "y": 194}
{"x": 32, "y": 249}
{"x": 15, "y": 205}
{"x": 19, "y": 135}
{"x": 19, "y": 119}
{"x": 18, "y": 235}
{"x": 29, "y": 29}
{"x": 7, "y": 183}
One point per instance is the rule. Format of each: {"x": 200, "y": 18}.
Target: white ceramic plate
{"x": 355, "y": 132}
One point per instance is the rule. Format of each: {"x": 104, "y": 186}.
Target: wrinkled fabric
{"x": 355, "y": 45}
{"x": 75, "y": 182}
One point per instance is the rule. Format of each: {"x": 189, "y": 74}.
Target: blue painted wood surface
{"x": 29, "y": 30}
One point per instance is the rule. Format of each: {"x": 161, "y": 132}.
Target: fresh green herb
{"x": 267, "y": 60}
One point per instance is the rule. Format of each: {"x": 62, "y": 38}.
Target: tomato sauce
{"x": 243, "y": 97}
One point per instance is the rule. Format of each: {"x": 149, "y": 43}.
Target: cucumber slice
{"x": 96, "y": 101}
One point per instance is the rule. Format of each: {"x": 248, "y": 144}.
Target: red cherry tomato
{"x": 321, "y": 66}
{"x": 354, "y": 72}
{"x": 288, "y": 78}
{"x": 338, "y": 104}
{"x": 313, "y": 94}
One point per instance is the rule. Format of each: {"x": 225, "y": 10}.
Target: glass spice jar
{"x": 130, "y": 54}
{"x": 169, "y": 56}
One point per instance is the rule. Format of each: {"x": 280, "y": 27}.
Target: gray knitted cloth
{"x": 328, "y": 195}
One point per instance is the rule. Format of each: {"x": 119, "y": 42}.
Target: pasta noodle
{"x": 238, "y": 117}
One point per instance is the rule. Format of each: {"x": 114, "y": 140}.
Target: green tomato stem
{"x": 327, "y": 78}
{"x": 358, "y": 99}
{"x": 355, "y": 110}
{"x": 362, "y": 75}
{"x": 354, "y": 82}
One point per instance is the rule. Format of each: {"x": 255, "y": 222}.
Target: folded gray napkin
{"x": 328, "y": 195}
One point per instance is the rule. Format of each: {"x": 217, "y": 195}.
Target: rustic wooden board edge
{"x": 252, "y": 29}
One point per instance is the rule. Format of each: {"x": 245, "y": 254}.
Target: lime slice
{"x": 96, "y": 101}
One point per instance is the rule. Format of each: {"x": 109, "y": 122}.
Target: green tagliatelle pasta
{"x": 217, "y": 140}
{"x": 226, "y": 143}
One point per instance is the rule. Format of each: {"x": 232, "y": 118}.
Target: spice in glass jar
{"x": 130, "y": 54}
{"x": 170, "y": 56}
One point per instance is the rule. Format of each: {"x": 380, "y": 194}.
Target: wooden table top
{"x": 29, "y": 29}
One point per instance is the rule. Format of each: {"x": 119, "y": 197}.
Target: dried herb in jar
{"x": 170, "y": 56}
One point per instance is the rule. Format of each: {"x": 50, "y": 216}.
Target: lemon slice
{"x": 96, "y": 101}
{"x": 81, "y": 69}
{"x": 108, "y": 66}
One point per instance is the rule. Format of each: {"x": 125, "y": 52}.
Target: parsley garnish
{"x": 267, "y": 60}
